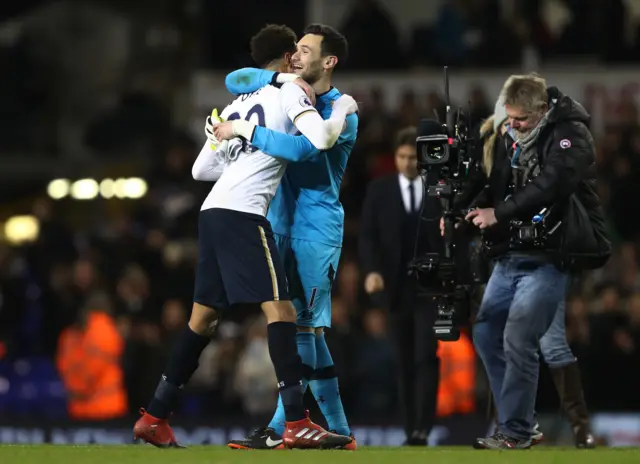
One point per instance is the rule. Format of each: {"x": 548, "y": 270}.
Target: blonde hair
{"x": 528, "y": 92}
{"x": 486, "y": 129}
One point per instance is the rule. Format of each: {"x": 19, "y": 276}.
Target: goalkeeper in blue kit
{"x": 307, "y": 219}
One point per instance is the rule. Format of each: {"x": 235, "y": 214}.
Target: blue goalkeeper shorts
{"x": 311, "y": 269}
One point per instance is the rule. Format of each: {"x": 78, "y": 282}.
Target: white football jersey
{"x": 250, "y": 181}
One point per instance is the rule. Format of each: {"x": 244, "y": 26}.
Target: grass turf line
{"x": 47, "y": 454}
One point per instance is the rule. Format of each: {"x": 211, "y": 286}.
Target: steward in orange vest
{"x": 88, "y": 360}
{"x": 456, "y": 392}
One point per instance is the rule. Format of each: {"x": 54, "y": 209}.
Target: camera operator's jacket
{"x": 567, "y": 182}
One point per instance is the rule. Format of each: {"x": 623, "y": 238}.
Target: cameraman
{"x": 496, "y": 144}
{"x": 388, "y": 236}
{"x": 551, "y": 165}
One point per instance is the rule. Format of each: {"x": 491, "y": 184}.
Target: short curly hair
{"x": 272, "y": 43}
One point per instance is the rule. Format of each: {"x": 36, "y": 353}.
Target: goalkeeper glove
{"x": 345, "y": 104}
{"x": 208, "y": 128}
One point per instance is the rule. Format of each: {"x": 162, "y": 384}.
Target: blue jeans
{"x": 553, "y": 346}
{"x": 519, "y": 305}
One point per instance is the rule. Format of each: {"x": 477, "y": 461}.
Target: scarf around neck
{"x": 525, "y": 157}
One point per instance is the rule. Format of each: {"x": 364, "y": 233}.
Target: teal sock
{"x": 326, "y": 390}
{"x": 306, "y": 342}
{"x": 277, "y": 421}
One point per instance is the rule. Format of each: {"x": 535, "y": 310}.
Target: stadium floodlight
{"x": 58, "y": 188}
{"x": 21, "y": 229}
{"x": 85, "y": 189}
{"x": 107, "y": 188}
{"x": 135, "y": 188}
{"x": 89, "y": 189}
{"x": 119, "y": 188}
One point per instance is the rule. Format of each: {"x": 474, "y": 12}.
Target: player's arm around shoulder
{"x": 248, "y": 80}
{"x": 350, "y": 131}
{"x": 296, "y": 104}
{"x": 270, "y": 142}
{"x": 323, "y": 134}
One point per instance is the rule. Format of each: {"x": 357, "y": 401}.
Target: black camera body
{"x": 444, "y": 150}
{"x": 535, "y": 234}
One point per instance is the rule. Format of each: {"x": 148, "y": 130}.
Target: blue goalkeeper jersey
{"x": 307, "y": 204}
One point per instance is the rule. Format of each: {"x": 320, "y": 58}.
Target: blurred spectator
{"x": 348, "y": 278}
{"x": 480, "y": 106}
{"x": 371, "y": 33}
{"x": 12, "y": 298}
{"x": 451, "y": 33}
{"x": 409, "y": 110}
{"x": 255, "y": 379}
{"x": 457, "y": 377}
{"x": 375, "y": 369}
{"x": 89, "y": 363}
{"x": 174, "y": 203}
{"x": 134, "y": 299}
{"x": 340, "y": 339}
{"x": 578, "y": 327}
{"x": 55, "y": 240}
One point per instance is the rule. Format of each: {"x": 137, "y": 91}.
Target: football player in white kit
{"x": 237, "y": 256}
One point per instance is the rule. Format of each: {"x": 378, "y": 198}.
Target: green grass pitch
{"x": 47, "y": 454}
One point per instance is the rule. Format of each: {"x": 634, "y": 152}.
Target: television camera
{"x": 445, "y": 151}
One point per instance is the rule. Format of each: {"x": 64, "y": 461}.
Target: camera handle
{"x": 449, "y": 225}
{"x": 444, "y": 192}
{"x": 449, "y": 218}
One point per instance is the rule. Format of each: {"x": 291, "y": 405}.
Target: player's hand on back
{"x": 346, "y": 103}
{"x": 223, "y": 131}
{"x": 307, "y": 89}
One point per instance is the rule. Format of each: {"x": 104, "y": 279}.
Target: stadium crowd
{"x": 96, "y": 66}
{"x": 134, "y": 260}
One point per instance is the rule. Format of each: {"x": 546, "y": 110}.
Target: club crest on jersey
{"x": 304, "y": 101}
{"x": 565, "y": 143}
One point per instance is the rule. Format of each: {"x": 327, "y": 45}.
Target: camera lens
{"x": 435, "y": 152}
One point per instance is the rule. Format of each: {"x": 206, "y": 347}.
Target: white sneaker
{"x": 537, "y": 436}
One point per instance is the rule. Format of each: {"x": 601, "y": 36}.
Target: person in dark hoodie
{"x": 496, "y": 144}
{"x": 550, "y": 167}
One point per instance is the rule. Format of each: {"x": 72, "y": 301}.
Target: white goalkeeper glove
{"x": 345, "y": 104}
{"x": 208, "y": 128}
{"x": 286, "y": 77}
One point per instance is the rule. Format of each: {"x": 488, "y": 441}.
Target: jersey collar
{"x": 328, "y": 95}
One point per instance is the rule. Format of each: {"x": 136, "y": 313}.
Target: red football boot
{"x": 349, "y": 446}
{"x": 154, "y": 431}
{"x": 307, "y": 435}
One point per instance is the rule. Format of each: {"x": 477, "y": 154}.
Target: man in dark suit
{"x": 390, "y": 228}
